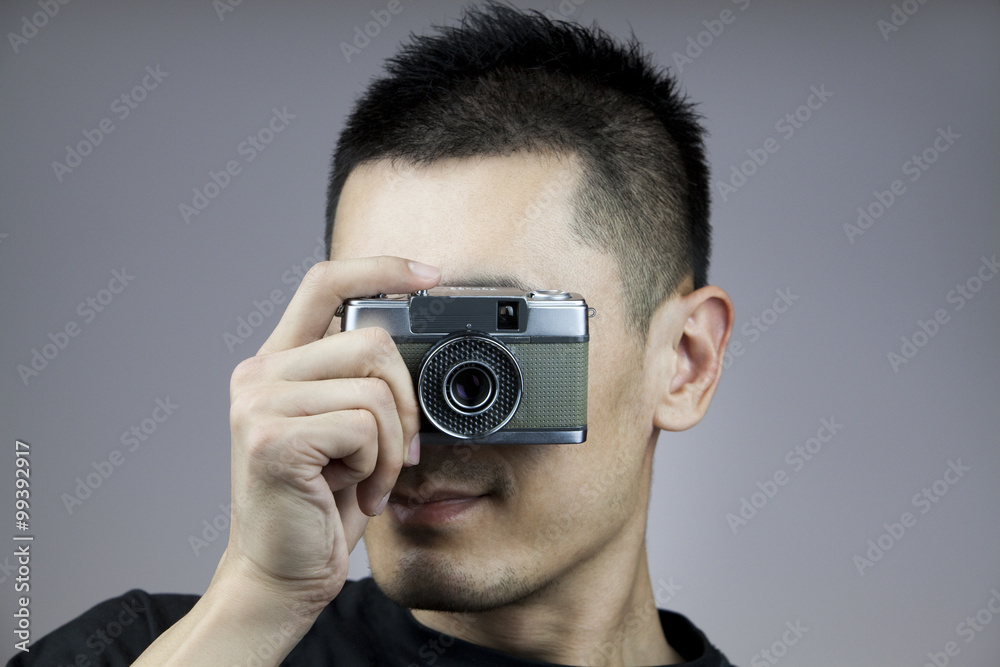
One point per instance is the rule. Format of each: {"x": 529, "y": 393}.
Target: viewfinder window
{"x": 507, "y": 316}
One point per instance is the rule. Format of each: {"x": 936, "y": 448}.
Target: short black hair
{"x": 505, "y": 80}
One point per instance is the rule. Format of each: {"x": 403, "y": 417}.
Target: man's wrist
{"x": 240, "y": 588}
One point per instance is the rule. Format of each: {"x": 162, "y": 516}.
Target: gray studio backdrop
{"x": 162, "y": 187}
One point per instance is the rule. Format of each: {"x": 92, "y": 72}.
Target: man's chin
{"x": 436, "y": 583}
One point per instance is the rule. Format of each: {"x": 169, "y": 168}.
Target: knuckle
{"x": 408, "y": 409}
{"x": 287, "y": 455}
{"x": 363, "y": 425}
{"x": 381, "y": 394}
{"x": 246, "y": 372}
{"x": 392, "y": 458}
{"x": 249, "y": 405}
{"x": 318, "y": 275}
{"x": 386, "y": 264}
{"x": 408, "y": 412}
{"x": 379, "y": 345}
{"x": 255, "y": 400}
{"x": 366, "y": 465}
{"x": 261, "y": 439}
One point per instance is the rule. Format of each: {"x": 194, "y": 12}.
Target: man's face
{"x": 510, "y": 520}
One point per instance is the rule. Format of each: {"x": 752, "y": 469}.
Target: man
{"x": 509, "y": 150}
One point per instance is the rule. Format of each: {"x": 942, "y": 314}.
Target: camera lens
{"x": 470, "y": 387}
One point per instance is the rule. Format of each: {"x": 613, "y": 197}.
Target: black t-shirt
{"x": 361, "y": 627}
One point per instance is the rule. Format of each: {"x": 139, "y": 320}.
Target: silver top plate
{"x": 446, "y": 309}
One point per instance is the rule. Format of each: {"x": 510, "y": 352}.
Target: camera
{"x": 490, "y": 365}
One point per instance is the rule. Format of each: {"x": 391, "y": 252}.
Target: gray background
{"x": 825, "y": 357}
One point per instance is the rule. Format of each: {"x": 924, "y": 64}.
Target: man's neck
{"x": 604, "y": 613}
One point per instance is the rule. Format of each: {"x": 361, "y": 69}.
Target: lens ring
{"x": 470, "y": 387}
{"x": 450, "y": 355}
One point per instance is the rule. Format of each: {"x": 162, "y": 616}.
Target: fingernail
{"x": 425, "y": 271}
{"x": 382, "y": 503}
{"x": 413, "y": 451}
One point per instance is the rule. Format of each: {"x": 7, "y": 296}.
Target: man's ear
{"x": 684, "y": 352}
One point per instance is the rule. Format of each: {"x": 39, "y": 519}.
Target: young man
{"x": 506, "y": 151}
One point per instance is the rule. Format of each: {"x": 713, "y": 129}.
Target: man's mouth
{"x": 434, "y": 508}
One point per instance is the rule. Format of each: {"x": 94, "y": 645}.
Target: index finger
{"x": 327, "y": 284}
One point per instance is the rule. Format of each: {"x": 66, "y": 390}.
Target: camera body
{"x": 489, "y": 365}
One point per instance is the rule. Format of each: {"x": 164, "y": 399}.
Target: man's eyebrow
{"x": 490, "y": 280}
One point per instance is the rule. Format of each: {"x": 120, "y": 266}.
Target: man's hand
{"x": 321, "y": 424}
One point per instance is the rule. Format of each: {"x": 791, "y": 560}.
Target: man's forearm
{"x": 234, "y": 623}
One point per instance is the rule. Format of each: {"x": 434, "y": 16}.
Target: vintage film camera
{"x": 490, "y": 365}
